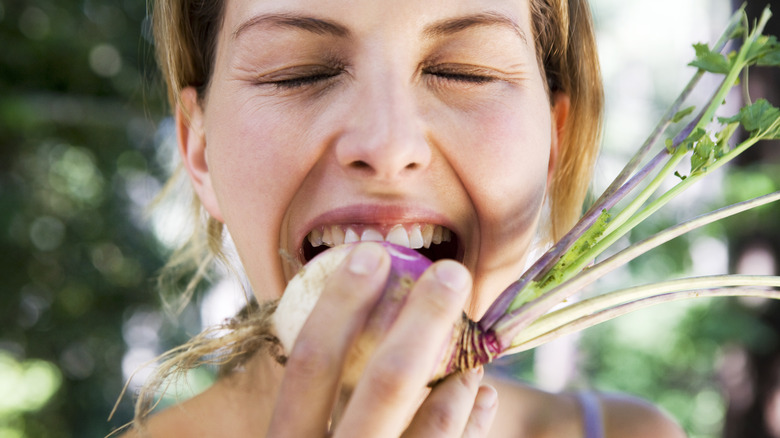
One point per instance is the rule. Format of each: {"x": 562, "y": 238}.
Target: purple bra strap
{"x": 591, "y": 415}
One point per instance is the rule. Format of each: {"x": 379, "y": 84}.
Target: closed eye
{"x": 300, "y": 77}
{"x": 302, "y": 81}
{"x": 462, "y": 74}
{"x": 462, "y": 77}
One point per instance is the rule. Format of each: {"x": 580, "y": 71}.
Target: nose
{"x": 385, "y": 137}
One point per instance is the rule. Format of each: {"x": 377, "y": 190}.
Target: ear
{"x": 192, "y": 147}
{"x": 560, "y": 112}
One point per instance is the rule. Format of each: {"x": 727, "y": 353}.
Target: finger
{"x": 396, "y": 375}
{"x": 313, "y": 369}
{"x": 445, "y": 411}
{"x": 483, "y": 413}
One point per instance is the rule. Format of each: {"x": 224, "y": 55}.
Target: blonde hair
{"x": 185, "y": 33}
{"x": 566, "y": 49}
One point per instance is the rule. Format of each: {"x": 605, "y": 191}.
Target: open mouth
{"x": 433, "y": 241}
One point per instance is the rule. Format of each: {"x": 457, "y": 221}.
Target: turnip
{"x": 520, "y": 318}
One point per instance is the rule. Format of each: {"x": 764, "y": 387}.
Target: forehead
{"x": 347, "y": 19}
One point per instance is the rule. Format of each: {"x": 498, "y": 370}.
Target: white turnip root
{"x": 305, "y": 288}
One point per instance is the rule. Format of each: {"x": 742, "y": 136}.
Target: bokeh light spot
{"x": 105, "y": 60}
{"x": 47, "y": 233}
{"x": 34, "y": 23}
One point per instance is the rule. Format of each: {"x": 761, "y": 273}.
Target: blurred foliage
{"x": 698, "y": 359}
{"x": 77, "y": 162}
{"x": 80, "y": 159}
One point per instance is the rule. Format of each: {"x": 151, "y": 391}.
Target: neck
{"x": 248, "y": 394}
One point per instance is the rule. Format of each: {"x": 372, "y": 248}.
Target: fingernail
{"x": 452, "y": 275}
{"x": 365, "y": 258}
{"x": 487, "y": 397}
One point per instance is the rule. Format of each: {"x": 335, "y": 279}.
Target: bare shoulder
{"x": 628, "y": 416}
{"x": 237, "y": 405}
{"x": 203, "y": 415}
{"x": 175, "y": 421}
{"x": 525, "y": 411}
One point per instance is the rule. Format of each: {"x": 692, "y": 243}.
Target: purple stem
{"x": 547, "y": 261}
{"x": 618, "y": 190}
{"x": 622, "y": 309}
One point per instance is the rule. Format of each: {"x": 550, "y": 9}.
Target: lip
{"x": 371, "y": 214}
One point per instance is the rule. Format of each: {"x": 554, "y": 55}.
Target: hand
{"x": 388, "y": 394}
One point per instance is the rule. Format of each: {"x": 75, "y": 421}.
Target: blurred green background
{"x": 85, "y": 145}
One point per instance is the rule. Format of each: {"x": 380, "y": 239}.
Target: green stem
{"x": 513, "y": 322}
{"x": 614, "y": 312}
{"x": 667, "y": 117}
{"x": 597, "y": 305}
{"x": 654, "y": 206}
{"x": 646, "y": 193}
{"x": 626, "y": 223}
{"x": 626, "y": 219}
{"x": 570, "y": 276}
{"x": 706, "y": 117}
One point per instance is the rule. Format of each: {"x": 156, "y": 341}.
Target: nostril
{"x": 360, "y": 164}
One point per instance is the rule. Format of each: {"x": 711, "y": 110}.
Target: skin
{"x": 377, "y": 113}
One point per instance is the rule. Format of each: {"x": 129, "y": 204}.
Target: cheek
{"x": 504, "y": 169}
{"x": 247, "y": 165}
{"x": 507, "y": 165}
{"x": 253, "y": 166}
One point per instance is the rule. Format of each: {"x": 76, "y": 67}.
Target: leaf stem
{"x": 513, "y": 322}
{"x": 598, "y": 304}
{"x": 620, "y": 187}
{"x": 622, "y": 309}
{"x": 667, "y": 117}
{"x": 627, "y": 219}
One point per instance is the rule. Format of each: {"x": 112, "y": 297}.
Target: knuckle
{"x": 441, "y": 299}
{"x": 441, "y": 418}
{"x": 389, "y": 379}
{"x": 344, "y": 294}
{"x": 440, "y": 307}
{"x": 311, "y": 359}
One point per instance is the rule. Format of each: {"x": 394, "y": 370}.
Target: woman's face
{"x": 406, "y": 120}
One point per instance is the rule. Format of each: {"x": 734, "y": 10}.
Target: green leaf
{"x": 682, "y": 113}
{"x": 703, "y": 154}
{"x": 761, "y": 119}
{"x": 692, "y": 138}
{"x": 764, "y": 51}
{"x": 585, "y": 242}
{"x": 722, "y": 138}
{"x": 710, "y": 61}
{"x": 669, "y": 145}
{"x": 738, "y": 32}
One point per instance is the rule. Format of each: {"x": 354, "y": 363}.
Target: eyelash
{"x": 446, "y": 75}
{"x": 303, "y": 81}
{"x": 466, "y": 78}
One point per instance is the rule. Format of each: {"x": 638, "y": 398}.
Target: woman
{"x": 304, "y": 119}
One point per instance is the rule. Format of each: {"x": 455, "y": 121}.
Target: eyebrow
{"x": 321, "y": 26}
{"x": 454, "y": 25}
{"x": 310, "y": 24}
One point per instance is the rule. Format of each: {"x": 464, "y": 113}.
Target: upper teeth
{"x": 411, "y": 235}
